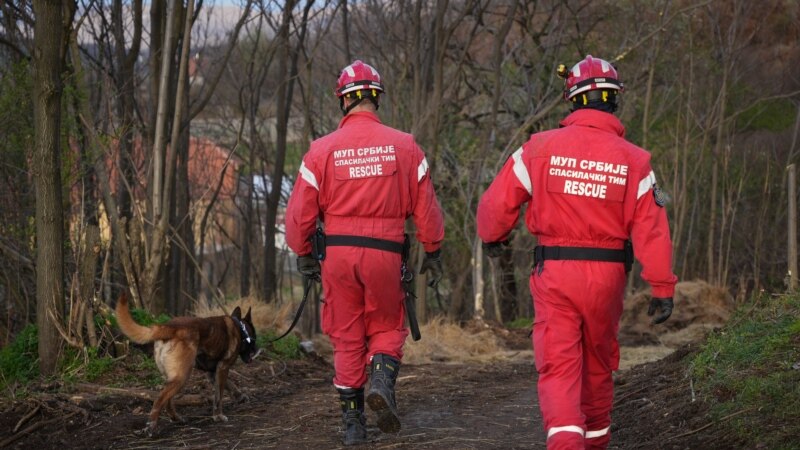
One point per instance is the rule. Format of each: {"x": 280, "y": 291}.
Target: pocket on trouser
{"x": 326, "y": 315}
{"x": 540, "y": 346}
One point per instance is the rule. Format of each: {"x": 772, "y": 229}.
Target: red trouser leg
{"x": 385, "y": 309}
{"x": 559, "y": 361}
{"x": 601, "y": 354}
{"x": 363, "y": 312}
{"x": 598, "y": 389}
{"x": 577, "y": 306}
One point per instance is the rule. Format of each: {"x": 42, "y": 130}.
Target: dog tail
{"x": 135, "y": 332}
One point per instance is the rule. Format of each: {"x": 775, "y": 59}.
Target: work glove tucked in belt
{"x": 433, "y": 263}
{"x": 494, "y": 249}
{"x": 308, "y": 266}
{"x": 664, "y": 305}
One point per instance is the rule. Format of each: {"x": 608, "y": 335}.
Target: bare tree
{"x": 53, "y": 21}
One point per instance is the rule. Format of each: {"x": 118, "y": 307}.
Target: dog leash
{"x": 306, "y": 290}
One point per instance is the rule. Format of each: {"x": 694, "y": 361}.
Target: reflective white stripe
{"x": 589, "y": 87}
{"x": 341, "y": 387}
{"x": 597, "y": 433}
{"x": 570, "y": 428}
{"x": 646, "y": 184}
{"x": 422, "y": 169}
{"x": 521, "y": 171}
{"x": 308, "y": 176}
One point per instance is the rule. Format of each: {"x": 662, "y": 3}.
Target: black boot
{"x": 353, "y": 419}
{"x": 381, "y": 392}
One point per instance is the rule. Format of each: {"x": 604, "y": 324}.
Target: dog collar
{"x": 245, "y": 335}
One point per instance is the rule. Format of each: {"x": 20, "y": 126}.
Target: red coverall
{"x": 363, "y": 179}
{"x": 586, "y": 187}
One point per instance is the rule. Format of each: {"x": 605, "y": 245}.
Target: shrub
{"x": 751, "y": 368}
{"x": 20, "y": 360}
{"x": 285, "y": 348}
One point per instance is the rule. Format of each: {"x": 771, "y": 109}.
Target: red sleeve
{"x": 303, "y": 209}
{"x": 652, "y": 244}
{"x": 427, "y": 214}
{"x": 498, "y": 210}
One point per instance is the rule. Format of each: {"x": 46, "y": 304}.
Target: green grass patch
{"x": 285, "y": 348}
{"x": 754, "y": 364}
{"x": 522, "y": 322}
{"x": 19, "y": 361}
{"x": 140, "y": 370}
{"x": 771, "y": 115}
{"x": 85, "y": 365}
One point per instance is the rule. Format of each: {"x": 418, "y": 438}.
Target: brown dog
{"x": 211, "y": 344}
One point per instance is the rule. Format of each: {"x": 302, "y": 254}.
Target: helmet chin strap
{"x": 356, "y": 102}
{"x": 601, "y": 100}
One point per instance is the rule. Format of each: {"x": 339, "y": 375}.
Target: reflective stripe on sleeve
{"x": 308, "y": 175}
{"x": 422, "y": 169}
{"x": 570, "y": 428}
{"x": 521, "y": 171}
{"x": 597, "y": 433}
{"x": 646, "y": 184}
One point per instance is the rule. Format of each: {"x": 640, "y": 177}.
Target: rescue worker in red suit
{"x": 589, "y": 191}
{"x": 363, "y": 181}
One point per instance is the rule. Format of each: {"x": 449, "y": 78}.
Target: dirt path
{"x": 293, "y": 406}
{"x": 441, "y": 406}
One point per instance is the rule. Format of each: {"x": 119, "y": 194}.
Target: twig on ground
{"x": 26, "y": 418}
{"x": 709, "y": 424}
{"x": 35, "y": 427}
{"x": 100, "y": 390}
{"x": 629, "y": 394}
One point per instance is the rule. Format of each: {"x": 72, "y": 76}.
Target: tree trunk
{"x": 346, "y": 33}
{"x": 125, "y": 86}
{"x": 183, "y": 287}
{"x": 49, "y": 43}
{"x": 281, "y": 110}
{"x": 287, "y": 67}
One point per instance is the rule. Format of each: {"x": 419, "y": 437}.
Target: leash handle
{"x": 306, "y": 290}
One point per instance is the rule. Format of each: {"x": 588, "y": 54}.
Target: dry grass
{"x": 633, "y": 356}
{"x": 265, "y": 316}
{"x": 445, "y": 341}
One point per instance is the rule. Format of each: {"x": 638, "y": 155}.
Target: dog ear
{"x": 247, "y": 316}
{"x": 237, "y": 313}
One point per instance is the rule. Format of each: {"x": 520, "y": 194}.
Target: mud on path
{"x": 293, "y": 406}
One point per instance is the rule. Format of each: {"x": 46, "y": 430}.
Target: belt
{"x": 542, "y": 253}
{"x": 321, "y": 240}
{"x": 332, "y": 240}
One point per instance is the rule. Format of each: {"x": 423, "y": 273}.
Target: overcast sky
{"x": 216, "y": 19}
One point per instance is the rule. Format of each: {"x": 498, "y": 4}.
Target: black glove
{"x": 494, "y": 249}
{"x": 664, "y": 305}
{"x": 308, "y": 266}
{"x": 433, "y": 263}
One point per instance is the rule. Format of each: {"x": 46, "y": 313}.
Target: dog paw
{"x": 149, "y": 430}
{"x": 178, "y": 419}
{"x": 220, "y": 418}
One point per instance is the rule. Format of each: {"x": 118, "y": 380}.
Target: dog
{"x": 211, "y": 344}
